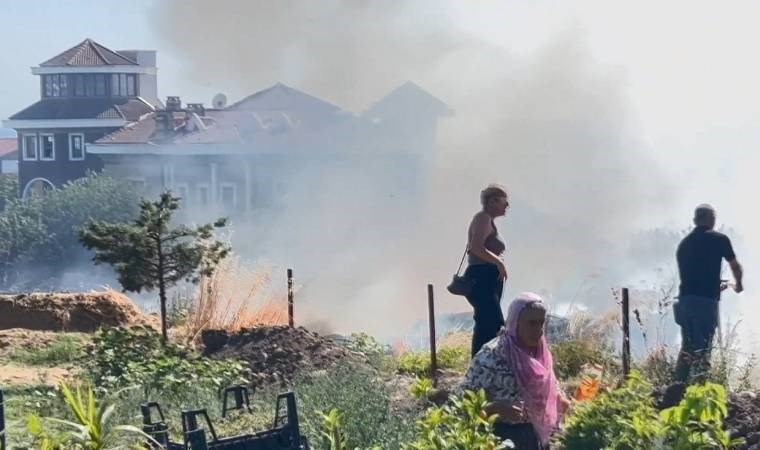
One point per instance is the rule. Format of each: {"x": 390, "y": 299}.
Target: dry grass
{"x": 236, "y": 296}
{"x": 585, "y": 326}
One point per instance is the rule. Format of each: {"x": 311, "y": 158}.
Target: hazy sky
{"x": 690, "y": 70}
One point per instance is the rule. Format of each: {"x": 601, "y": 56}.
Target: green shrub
{"x": 697, "y": 422}
{"x": 461, "y": 425}
{"x": 418, "y": 363}
{"x": 33, "y": 233}
{"x": 64, "y": 350}
{"x": 363, "y": 400}
{"x": 624, "y": 418}
{"x": 378, "y": 355}
{"x": 421, "y": 388}
{"x": 135, "y": 357}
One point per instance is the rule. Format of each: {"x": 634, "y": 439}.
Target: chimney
{"x": 196, "y": 108}
{"x": 173, "y": 104}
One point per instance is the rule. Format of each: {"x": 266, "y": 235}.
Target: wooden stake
{"x": 626, "y": 334}
{"x": 291, "y": 321}
{"x": 431, "y": 319}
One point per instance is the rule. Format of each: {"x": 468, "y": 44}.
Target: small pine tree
{"x": 148, "y": 254}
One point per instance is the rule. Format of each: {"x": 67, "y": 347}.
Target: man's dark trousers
{"x": 698, "y": 318}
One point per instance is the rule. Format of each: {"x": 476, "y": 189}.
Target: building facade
{"x": 99, "y": 111}
{"x": 86, "y": 92}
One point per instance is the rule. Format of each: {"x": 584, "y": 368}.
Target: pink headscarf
{"x": 534, "y": 373}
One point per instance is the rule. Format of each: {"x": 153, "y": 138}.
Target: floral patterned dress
{"x": 490, "y": 371}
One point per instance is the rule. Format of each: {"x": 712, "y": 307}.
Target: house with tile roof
{"x": 255, "y": 152}
{"x": 86, "y": 92}
{"x": 99, "y": 111}
{"x": 8, "y": 155}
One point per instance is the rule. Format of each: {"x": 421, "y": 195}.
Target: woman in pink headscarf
{"x": 517, "y": 373}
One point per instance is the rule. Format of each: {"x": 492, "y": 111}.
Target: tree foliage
{"x": 41, "y": 232}
{"x": 148, "y": 253}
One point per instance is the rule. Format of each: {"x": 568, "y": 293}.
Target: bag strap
{"x": 461, "y": 263}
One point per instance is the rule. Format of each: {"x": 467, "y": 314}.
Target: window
{"x": 55, "y": 86}
{"x": 79, "y": 86}
{"x": 29, "y": 144}
{"x": 47, "y": 147}
{"x": 76, "y": 147}
{"x": 100, "y": 85}
{"x": 131, "y": 85}
{"x": 123, "y": 85}
{"x": 89, "y": 86}
{"x": 115, "y": 85}
{"x": 203, "y": 194}
{"x": 228, "y": 194}
{"x": 181, "y": 190}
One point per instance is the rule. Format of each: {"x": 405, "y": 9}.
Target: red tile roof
{"x": 138, "y": 132}
{"x": 88, "y": 53}
{"x": 8, "y": 145}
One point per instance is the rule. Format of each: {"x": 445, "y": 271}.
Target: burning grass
{"x": 236, "y": 296}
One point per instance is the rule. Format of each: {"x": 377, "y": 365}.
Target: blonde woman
{"x": 485, "y": 267}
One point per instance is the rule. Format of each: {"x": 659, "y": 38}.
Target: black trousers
{"x": 486, "y": 301}
{"x": 522, "y": 435}
{"x": 698, "y": 317}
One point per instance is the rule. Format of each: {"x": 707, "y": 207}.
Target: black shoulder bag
{"x": 461, "y": 284}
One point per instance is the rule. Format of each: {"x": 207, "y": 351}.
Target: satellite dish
{"x": 219, "y": 101}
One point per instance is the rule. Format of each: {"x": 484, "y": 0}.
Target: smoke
{"x": 552, "y": 124}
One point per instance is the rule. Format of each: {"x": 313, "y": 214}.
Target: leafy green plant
{"x": 418, "y": 363}
{"x": 91, "y": 428}
{"x": 697, "y": 422}
{"x": 65, "y": 349}
{"x": 37, "y": 231}
{"x": 378, "y": 355}
{"x": 362, "y": 398}
{"x": 624, "y": 418}
{"x": 334, "y": 437}
{"x": 421, "y": 388}
{"x": 461, "y": 425}
{"x": 136, "y": 357}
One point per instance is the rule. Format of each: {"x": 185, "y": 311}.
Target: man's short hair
{"x": 703, "y": 213}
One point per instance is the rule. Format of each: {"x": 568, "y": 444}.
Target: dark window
{"x": 76, "y": 147}
{"x": 100, "y": 85}
{"x": 79, "y": 85}
{"x": 30, "y": 146}
{"x": 63, "y": 83}
{"x": 47, "y": 145}
{"x": 115, "y": 85}
{"x": 123, "y": 84}
{"x": 54, "y": 86}
{"x": 48, "y": 85}
{"x": 89, "y": 86}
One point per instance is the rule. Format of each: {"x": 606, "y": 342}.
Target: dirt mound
{"x": 276, "y": 354}
{"x": 84, "y": 312}
{"x": 744, "y": 418}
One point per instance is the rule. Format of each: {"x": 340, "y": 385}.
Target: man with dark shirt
{"x": 700, "y": 255}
